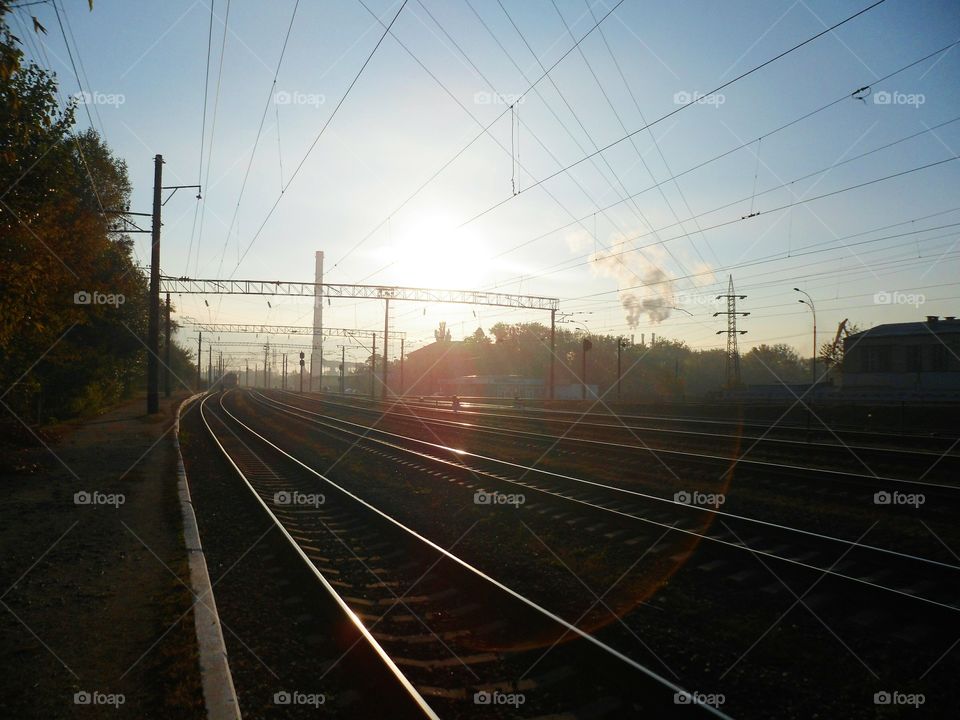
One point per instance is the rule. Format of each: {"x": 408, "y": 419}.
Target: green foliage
{"x": 59, "y": 358}
{"x": 661, "y": 370}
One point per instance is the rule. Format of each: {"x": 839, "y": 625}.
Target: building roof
{"x": 935, "y": 327}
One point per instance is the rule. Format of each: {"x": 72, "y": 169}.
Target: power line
{"x": 472, "y": 141}
{"x": 472, "y": 65}
{"x": 256, "y": 142}
{"x": 623, "y": 127}
{"x": 762, "y": 261}
{"x": 83, "y": 70}
{"x": 566, "y": 266}
{"x": 741, "y": 146}
{"x": 203, "y": 133}
{"x": 317, "y": 138}
{"x": 653, "y": 137}
{"x": 681, "y": 108}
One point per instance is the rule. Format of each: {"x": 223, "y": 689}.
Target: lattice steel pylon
{"x": 733, "y": 354}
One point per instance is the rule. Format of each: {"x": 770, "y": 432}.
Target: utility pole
{"x": 733, "y": 354}
{"x": 209, "y": 365}
{"x": 621, "y": 344}
{"x": 166, "y": 352}
{"x": 317, "y": 316}
{"x": 266, "y": 372}
{"x": 373, "y": 369}
{"x": 199, "y": 360}
{"x": 553, "y": 354}
{"x": 587, "y": 345}
{"x": 401, "y": 366}
{"x": 153, "y": 324}
{"x": 386, "y": 333}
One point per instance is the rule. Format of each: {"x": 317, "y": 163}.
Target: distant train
{"x": 229, "y": 381}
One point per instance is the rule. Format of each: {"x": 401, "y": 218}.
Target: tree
{"x": 442, "y": 333}
{"x": 73, "y": 310}
{"x": 831, "y": 353}
{"x": 773, "y": 364}
{"x": 479, "y": 337}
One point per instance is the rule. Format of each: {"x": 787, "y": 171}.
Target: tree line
{"x": 660, "y": 370}
{"x": 73, "y": 303}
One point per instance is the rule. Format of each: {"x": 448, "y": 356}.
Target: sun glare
{"x": 433, "y": 253}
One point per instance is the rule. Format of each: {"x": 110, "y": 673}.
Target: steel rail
{"x": 721, "y": 541}
{"x": 367, "y": 635}
{"x": 569, "y": 627}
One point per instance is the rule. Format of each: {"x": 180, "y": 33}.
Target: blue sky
{"x": 144, "y": 67}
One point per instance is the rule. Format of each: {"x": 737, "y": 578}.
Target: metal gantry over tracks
{"x": 209, "y": 286}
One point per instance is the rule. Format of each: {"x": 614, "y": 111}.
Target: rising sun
{"x": 432, "y": 252}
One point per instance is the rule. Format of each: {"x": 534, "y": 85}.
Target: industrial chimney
{"x": 317, "y": 354}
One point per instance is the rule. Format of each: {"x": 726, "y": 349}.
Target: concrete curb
{"x": 219, "y": 694}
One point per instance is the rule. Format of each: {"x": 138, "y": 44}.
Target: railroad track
{"x": 458, "y": 642}
{"x": 792, "y": 433}
{"x": 932, "y": 469}
{"x": 915, "y": 580}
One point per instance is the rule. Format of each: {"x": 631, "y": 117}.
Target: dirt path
{"x": 93, "y": 593}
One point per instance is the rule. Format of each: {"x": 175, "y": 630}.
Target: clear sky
{"x": 451, "y": 68}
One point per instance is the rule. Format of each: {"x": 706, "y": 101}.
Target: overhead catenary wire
{"x": 256, "y": 141}
{"x": 317, "y": 138}
{"x": 805, "y": 116}
{"x": 472, "y": 65}
{"x": 460, "y": 152}
{"x": 771, "y": 210}
{"x": 203, "y": 132}
{"x": 681, "y": 108}
{"x": 213, "y": 133}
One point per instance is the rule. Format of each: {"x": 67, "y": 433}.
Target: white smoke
{"x": 654, "y": 298}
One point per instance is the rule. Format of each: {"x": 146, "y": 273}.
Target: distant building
{"x": 918, "y": 358}
{"x": 494, "y": 386}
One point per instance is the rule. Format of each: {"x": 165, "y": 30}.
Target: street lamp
{"x": 621, "y": 343}
{"x": 809, "y": 303}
